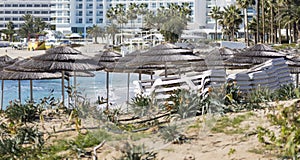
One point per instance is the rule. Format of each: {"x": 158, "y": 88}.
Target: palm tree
{"x": 244, "y": 4}
{"x": 10, "y": 30}
{"x": 231, "y": 21}
{"x": 149, "y": 20}
{"x": 257, "y": 20}
{"x": 95, "y": 32}
{"x": 131, "y": 13}
{"x": 27, "y": 29}
{"x": 216, "y": 14}
{"x": 290, "y": 16}
{"x": 111, "y": 14}
{"x": 143, "y": 10}
{"x": 112, "y": 30}
{"x": 39, "y": 24}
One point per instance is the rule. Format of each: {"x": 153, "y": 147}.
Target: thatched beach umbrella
{"x": 106, "y": 58}
{"x": 256, "y": 54}
{"x": 62, "y": 58}
{"x": 164, "y": 54}
{"x": 17, "y": 72}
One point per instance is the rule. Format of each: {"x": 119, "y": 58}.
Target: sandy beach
{"x": 90, "y": 49}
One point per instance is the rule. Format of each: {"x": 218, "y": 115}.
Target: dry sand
{"x": 204, "y": 144}
{"x": 90, "y": 49}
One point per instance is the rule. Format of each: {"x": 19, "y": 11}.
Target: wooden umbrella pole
{"x": 31, "y": 91}
{"x": 140, "y": 75}
{"x": 69, "y": 93}
{"x": 19, "y": 83}
{"x": 2, "y": 94}
{"x": 297, "y": 80}
{"x": 166, "y": 70}
{"x": 128, "y": 85}
{"x": 107, "y": 89}
{"x": 75, "y": 90}
{"x": 63, "y": 87}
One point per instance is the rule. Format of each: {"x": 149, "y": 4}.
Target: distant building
{"x": 13, "y": 10}
{"x": 75, "y": 16}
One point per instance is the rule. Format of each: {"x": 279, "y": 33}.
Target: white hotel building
{"x": 76, "y": 15}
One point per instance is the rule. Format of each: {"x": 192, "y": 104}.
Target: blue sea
{"x": 90, "y": 87}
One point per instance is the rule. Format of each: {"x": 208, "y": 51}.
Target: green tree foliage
{"x": 9, "y": 31}
{"x": 231, "y": 21}
{"x": 32, "y": 26}
{"x": 216, "y": 14}
{"x": 170, "y": 21}
{"x": 96, "y": 31}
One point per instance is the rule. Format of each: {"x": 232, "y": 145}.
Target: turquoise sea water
{"x": 91, "y": 87}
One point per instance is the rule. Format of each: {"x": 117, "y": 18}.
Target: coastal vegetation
{"x": 27, "y": 128}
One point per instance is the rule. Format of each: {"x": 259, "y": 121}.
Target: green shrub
{"x": 136, "y": 152}
{"x": 287, "y": 120}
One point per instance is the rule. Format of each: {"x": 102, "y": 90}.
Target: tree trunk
{"x": 246, "y": 27}
{"x": 287, "y": 33}
{"x": 279, "y": 32}
{"x": 294, "y": 33}
{"x": 216, "y": 30}
{"x": 257, "y": 23}
{"x": 272, "y": 27}
{"x": 263, "y": 20}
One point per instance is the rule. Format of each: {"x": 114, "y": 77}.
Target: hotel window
{"x": 22, "y": 5}
{"x": 37, "y": 5}
{"x": 45, "y": 5}
{"x": 79, "y": 13}
{"x": 15, "y": 19}
{"x": 153, "y": 5}
{"x": 79, "y": 6}
{"x": 90, "y": 20}
{"x": 1, "y": 25}
{"x": 29, "y": 5}
{"x": 1, "y": 19}
{"x": 44, "y": 12}
{"x": 21, "y": 19}
{"x": 45, "y": 19}
{"x": 1, "y": 12}
{"x": 59, "y": 20}
{"x": 37, "y": 12}
{"x": 78, "y": 0}
{"x": 7, "y": 5}
{"x": 100, "y": 6}
{"x": 7, "y": 19}
{"x": 15, "y": 5}
{"x": 89, "y": 13}
{"x": 59, "y": 6}
{"x": 7, "y": 12}
{"x": 22, "y": 12}
{"x": 100, "y": 20}
{"x": 100, "y": 13}
{"x": 80, "y": 20}
{"x": 15, "y": 12}
{"x": 29, "y": 12}
{"x": 1, "y": 5}
{"x": 89, "y": 6}
{"x": 59, "y": 13}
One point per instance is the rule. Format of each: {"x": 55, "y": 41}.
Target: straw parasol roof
{"x": 62, "y": 58}
{"x": 254, "y": 55}
{"x": 80, "y": 74}
{"x": 260, "y": 50}
{"x": 164, "y": 54}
